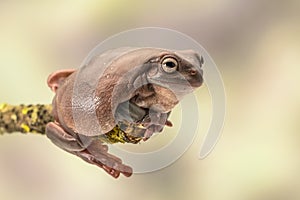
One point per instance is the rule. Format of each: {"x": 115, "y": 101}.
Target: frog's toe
{"x": 111, "y": 164}
{"x": 114, "y": 173}
{"x": 125, "y": 170}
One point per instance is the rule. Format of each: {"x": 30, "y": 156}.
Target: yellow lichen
{"x": 2, "y": 106}
{"x": 25, "y": 128}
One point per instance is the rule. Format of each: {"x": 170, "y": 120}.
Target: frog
{"x": 138, "y": 88}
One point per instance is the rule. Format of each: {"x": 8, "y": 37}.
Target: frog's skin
{"x": 157, "y": 80}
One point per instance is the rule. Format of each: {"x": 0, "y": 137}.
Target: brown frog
{"x": 135, "y": 86}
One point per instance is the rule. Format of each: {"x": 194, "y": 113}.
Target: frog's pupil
{"x": 170, "y": 64}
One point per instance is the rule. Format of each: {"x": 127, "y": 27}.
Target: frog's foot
{"x": 56, "y": 79}
{"x": 61, "y": 138}
{"x": 95, "y": 153}
{"x": 155, "y": 123}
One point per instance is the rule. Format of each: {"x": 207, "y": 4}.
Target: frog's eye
{"x": 169, "y": 65}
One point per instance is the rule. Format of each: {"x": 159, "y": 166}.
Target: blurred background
{"x": 256, "y": 46}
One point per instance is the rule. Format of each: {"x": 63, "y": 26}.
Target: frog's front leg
{"x": 95, "y": 153}
{"x": 155, "y": 122}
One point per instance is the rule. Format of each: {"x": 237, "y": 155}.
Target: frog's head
{"x": 179, "y": 71}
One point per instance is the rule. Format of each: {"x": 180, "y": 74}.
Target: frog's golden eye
{"x": 169, "y": 65}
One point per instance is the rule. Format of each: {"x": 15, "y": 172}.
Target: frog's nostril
{"x": 193, "y": 72}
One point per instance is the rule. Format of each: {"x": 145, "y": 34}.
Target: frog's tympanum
{"x": 130, "y": 92}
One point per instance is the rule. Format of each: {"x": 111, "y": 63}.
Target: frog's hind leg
{"x": 61, "y": 138}
{"x": 110, "y": 163}
{"x": 95, "y": 153}
{"x": 56, "y": 79}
